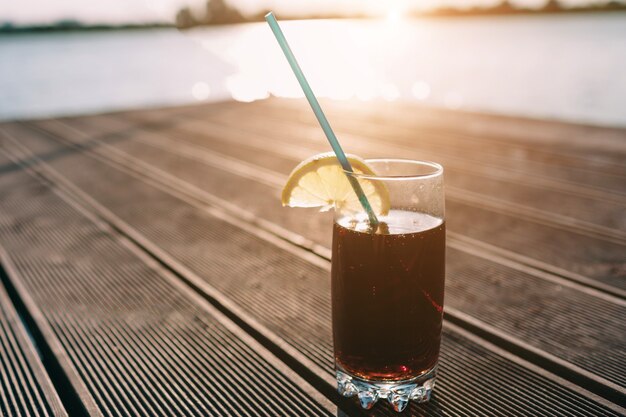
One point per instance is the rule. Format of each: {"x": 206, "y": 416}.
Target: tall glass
{"x": 388, "y": 285}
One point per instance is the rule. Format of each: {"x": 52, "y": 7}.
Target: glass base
{"x": 398, "y": 393}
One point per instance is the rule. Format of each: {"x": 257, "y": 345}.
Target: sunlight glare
{"x": 365, "y": 92}
{"x": 394, "y": 15}
{"x": 245, "y": 89}
{"x": 421, "y": 90}
{"x": 337, "y": 68}
{"x": 389, "y": 92}
{"x": 201, "y": 91}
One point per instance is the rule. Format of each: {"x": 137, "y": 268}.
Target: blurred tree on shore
{"x": 216, "y": 12}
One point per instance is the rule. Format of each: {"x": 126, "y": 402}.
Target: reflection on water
{"x": 342, "y": 60}
{"x": 545, "y": 66}
{"x": 551, "y": 66}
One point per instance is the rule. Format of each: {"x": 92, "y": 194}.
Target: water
{"x": 563, "y": 67}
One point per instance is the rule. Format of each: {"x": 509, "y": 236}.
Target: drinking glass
{"x": 388, "y": 286}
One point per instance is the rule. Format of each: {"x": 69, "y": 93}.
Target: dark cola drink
{"x": 387, "y": 295}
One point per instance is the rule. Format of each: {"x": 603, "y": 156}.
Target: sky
{"x": 134, "y": 11}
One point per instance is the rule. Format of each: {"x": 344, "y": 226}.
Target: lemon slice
{"x": 320, "y": 181}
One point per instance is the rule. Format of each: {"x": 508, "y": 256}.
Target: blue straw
{"x": 321, "y": 118}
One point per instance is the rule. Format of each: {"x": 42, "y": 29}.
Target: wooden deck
{"x": 156, "y": 273}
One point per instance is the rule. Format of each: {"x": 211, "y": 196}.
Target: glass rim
{"x": 437, "y": 170}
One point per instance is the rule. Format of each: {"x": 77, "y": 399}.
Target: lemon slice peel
{"x": 320, "y": 181}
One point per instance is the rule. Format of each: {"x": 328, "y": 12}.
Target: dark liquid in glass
{"x": 387, "y": 295}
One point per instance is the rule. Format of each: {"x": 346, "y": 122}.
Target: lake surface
{"x": 569, "y": 67}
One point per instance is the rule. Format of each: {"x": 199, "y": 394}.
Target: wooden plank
{"x": 138, "y": 340}
{"x": 521, "y": 173}
{"x": 598, "y": 145}
{"x": 25, "y": 387}
{"x": 487, "y": 288}
{"x": 136, "y": 205}
{"x": 539, "y": 241}
{"x": 591, "y": 215}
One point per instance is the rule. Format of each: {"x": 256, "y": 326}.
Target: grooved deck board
{"x": 289, "y": 295}
{"x": 139, "y": 342}
{"x": 25, "y": 387}
{"x": 591, "y": 248}
{"x": 543, "y": 313}
{"x": 547, "y": 141}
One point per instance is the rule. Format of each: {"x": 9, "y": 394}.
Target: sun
{"x": 395, "y": 14}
